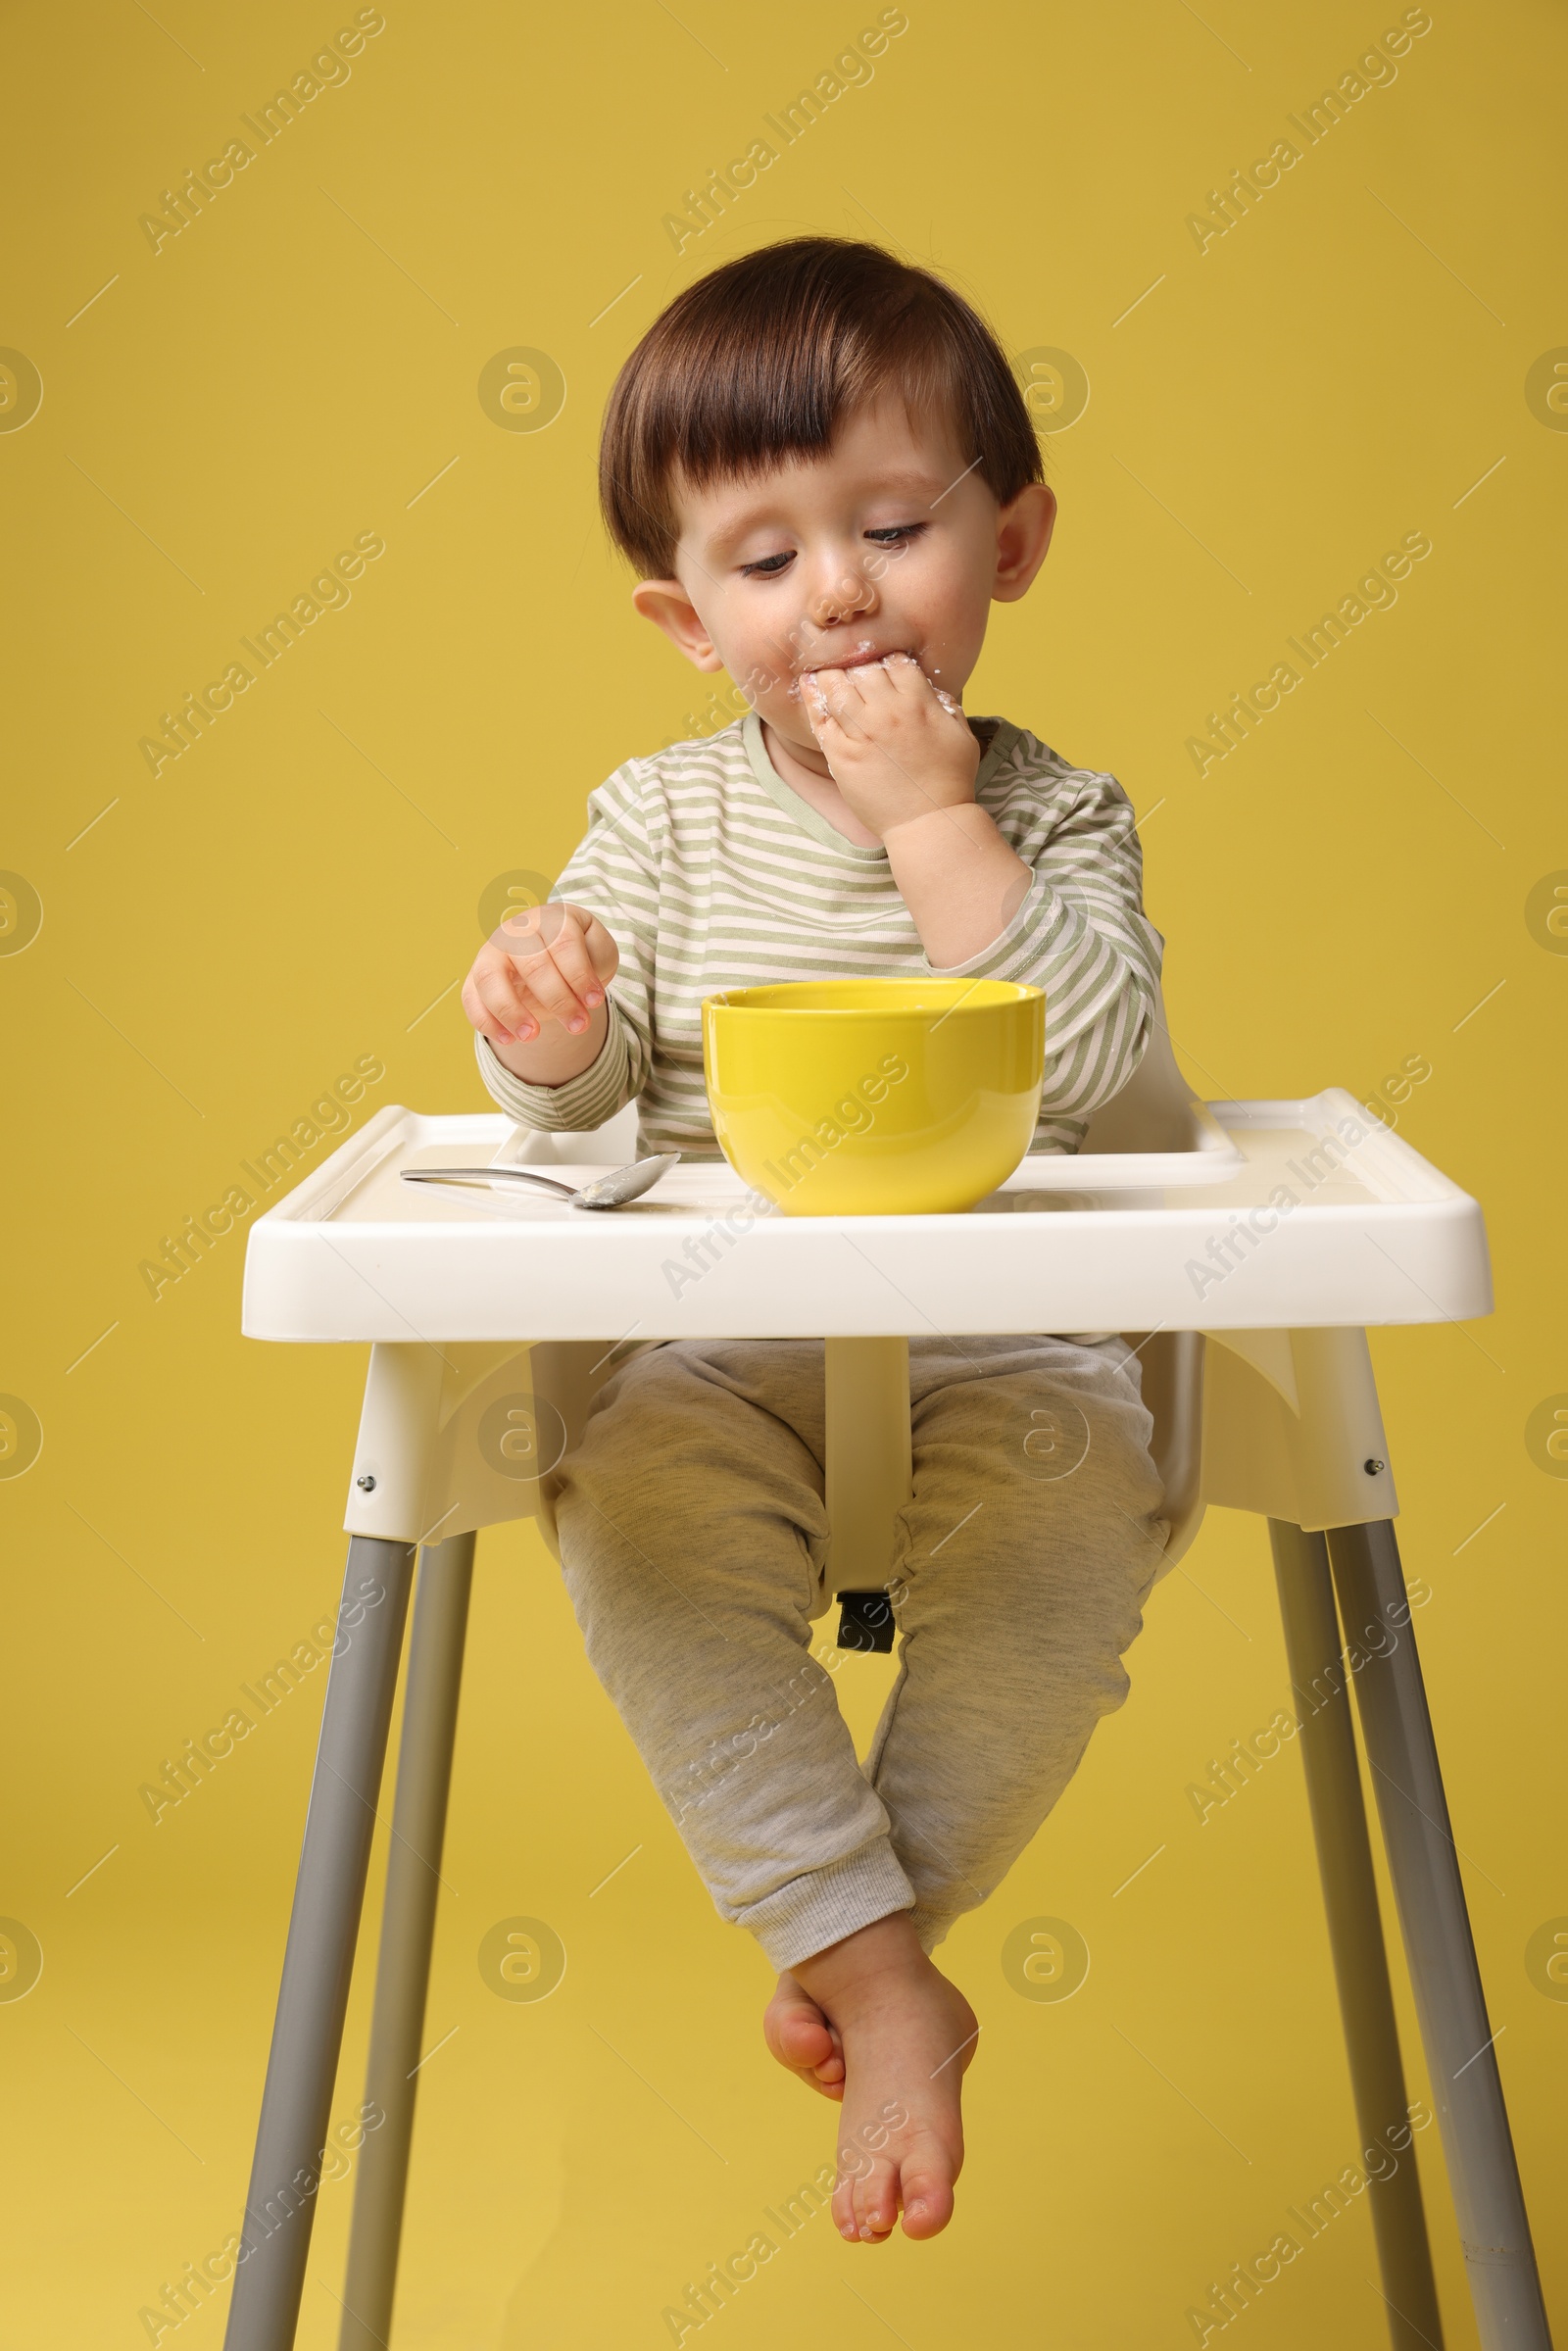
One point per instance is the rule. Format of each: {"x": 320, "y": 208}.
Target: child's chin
{"x": 789, "y": 722}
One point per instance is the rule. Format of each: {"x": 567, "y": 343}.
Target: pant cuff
{"x": 931, "y": 1927}
{"x": 824, "y": 1905}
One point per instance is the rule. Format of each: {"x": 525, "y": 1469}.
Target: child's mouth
{"x": 864, "y": 656}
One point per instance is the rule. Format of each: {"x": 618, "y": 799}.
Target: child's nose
{"x": 846, "y": 598}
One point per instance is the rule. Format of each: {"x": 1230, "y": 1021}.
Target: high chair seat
{"x": 493, "y": 1322}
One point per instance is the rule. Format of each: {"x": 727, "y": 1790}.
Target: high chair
{"x": 492, "y": 1331}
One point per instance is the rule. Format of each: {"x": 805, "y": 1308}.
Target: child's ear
{"x": 666, "y": 603}
{"x": 1024, "y": 534}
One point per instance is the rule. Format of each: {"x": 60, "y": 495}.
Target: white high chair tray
{"x": 1291, "y": 1225}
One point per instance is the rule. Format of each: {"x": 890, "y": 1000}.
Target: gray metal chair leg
{"x": 1327, "y": 1741}
{"x": 308, "y": 2035}
{"x": 1424, "y": 1865}
{"x": 407, "y": 1931}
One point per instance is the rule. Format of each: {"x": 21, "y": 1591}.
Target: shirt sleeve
{"x": 1079, "y": 933}
{"x": 613, "y": 871}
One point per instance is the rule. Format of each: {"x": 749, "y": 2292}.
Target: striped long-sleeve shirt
{"x": 711, "y": 872}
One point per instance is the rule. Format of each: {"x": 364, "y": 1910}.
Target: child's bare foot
{"x": 801, "y": 2038}
{"x": 907, "y": 2036}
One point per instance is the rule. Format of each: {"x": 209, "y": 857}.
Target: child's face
{"x": 891, "y": 543}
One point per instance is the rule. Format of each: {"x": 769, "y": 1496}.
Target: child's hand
{"x": 896, "y": 748}
{"x": 548, "y": 962}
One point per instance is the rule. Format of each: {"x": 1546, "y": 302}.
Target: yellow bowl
{"x": 874, "y": 1097}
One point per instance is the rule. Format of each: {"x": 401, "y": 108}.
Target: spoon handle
{"x": 487, "y": 1175}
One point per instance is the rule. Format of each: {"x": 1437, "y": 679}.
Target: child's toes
{"x": 801, "y": 2040}
{"x": 876, "y": 2204}
{"x": 927, "y": 2200}
{"x": 865, "y": 2205}
{"x": 845, "y": 2218}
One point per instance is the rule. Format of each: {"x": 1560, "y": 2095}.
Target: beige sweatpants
{"x": 693, "y": 1535}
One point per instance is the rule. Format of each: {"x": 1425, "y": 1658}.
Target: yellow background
{"x": 295, "y": 368}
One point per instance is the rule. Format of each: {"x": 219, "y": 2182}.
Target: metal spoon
{"x": 605, "y": 1192}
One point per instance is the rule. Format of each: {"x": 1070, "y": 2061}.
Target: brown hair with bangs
{"x": 761, "y": 360}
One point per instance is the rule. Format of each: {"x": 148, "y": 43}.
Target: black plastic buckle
{"x": 866, "y": 1620}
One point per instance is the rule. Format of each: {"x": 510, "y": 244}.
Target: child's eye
{"x": 768, "y": 569}
{"x": 895, "y": 530}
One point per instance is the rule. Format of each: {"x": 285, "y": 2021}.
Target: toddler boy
{"x": 822, "y": 468}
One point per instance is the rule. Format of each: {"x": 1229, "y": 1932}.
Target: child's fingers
{"x": 546, "y": 993}
{"x": 831, "y": 704}
{"x": 895, "y": 682}
{"x": 911, "y": 684}
{"x": 859, "y": 700}
{"x": 568, "y": 952}
{"x": 836, "y": 689}
{"x": 493, "y": 1007}
{"x": 525, "y": 947}
{"x": 578, "y": 945}
{"x": 548, "y": 962}
{"x": 477, "y": 1013}
{"x": 906, "y": 677}
{"x": 503, "y": 987}
{"x": 603, "y": 953}
{"x": 812, "y": 702}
